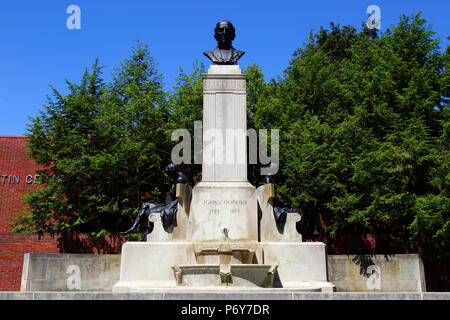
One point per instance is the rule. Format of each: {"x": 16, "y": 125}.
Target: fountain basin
{"x": 218, "y": 255}
{"x": 240, "y": 275}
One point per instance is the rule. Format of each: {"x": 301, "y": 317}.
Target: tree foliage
{"x": 102, "y": 146}
{"x": 364, "y": 122}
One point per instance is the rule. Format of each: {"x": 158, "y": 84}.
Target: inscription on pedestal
{"x": 216, "y": 208}
{"x": 225, "y": 206}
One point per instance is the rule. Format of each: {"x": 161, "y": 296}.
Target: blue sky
{"x": 38, "y": 50}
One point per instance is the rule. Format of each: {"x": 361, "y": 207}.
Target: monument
{"x": 215, "y": 239}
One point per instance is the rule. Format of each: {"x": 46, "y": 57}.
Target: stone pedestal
{"x": 224, "y": 202}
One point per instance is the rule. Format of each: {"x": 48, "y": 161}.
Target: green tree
{"x": 101, "y": 144}
{"x": 364, "y": 133}
{"x": 185, "y": 103}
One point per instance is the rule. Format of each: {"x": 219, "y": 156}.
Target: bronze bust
{"x": 224, "y": 53}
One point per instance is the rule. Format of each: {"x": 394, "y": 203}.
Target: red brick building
{"x": 17, "y": 176}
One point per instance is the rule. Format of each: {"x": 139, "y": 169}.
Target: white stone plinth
{"x": 217, "y": 206}
{"x": 149, "y": 264}
{"x": 224, "y": 124}
{"x": 181, "y": 230}
{"x": 269, "y": 232}
{"x": 299, "y": 263}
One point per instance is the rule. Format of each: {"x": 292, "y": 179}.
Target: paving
{"x": 232, "y": 295}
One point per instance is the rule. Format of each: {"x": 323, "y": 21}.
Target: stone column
{"x": 224, "y": 124}
{"x": 224, "y": 204}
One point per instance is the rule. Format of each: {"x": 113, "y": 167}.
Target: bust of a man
{"x": 224, "y": 33}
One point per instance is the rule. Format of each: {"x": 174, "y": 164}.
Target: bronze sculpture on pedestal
{"x": 168, "y": 210}
{"x": 224, "y": 53}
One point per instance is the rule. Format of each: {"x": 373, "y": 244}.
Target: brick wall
{"x": 14, "y": 246}
{"x": 12, "y": 249}
{"x": 17, "y": 175}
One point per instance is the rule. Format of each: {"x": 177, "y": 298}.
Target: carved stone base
{"x": 149, "y": 263}
{"x": 299, "y": 263}
{"x": 153, "y": 265}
